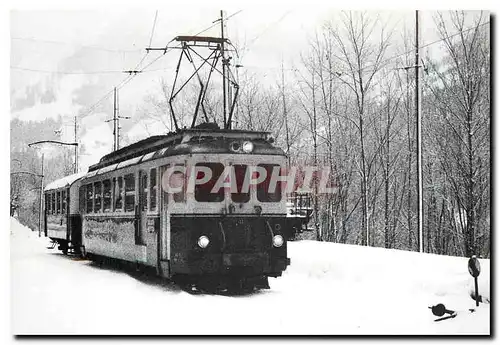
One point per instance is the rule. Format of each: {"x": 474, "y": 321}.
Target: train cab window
{"x": 97, "y": 196}
{"x": 119, "y": 194}
{"x": 63, "y": 202}
{"x": 53, "y": 209}
{"x": 203, "y": 192}
{"x": 90, "y": 198}
{"x": 129, "y": 192}
{"x": 106, "y": 195}
{"x": 240, "y": 171}
{"x": 263, "y": 192}
{"x": 153, "y": 186}
{"x": 58, "y": 202}
{"x": 176, "y": 179}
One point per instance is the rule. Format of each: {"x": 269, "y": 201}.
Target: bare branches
{"x": 462, "y": 128}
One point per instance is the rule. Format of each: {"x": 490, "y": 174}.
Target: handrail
{"x": 223, "y": 236}
{"x": 270, "y": 231}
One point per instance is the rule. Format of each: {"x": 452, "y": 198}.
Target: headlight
{"x": 278, "y": 241}
{"x": 235, "y": 146}
{"x": 203, "y": 241}
{"x": 247, "y": 147}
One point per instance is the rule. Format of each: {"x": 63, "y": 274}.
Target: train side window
{"x": 97, "y": 196}
{"x": 47, "y": 203}
{"x": 153, "y": 186}
{"x": 63, "y": 202}
{"x": 129, "y": 192}
{"x": 114, "y": 190}
{"x": 203, "y": 192}
{"x": 240, "y": 171}
{"x": 90, "y": 198}
{"x": 81, "y": 199}
{"x": 106, "y": 195}
{"x": 48, "y": 199}
{"x": 53, "y": 211}
{"x": 144, "y": 189}
{"x": 58, "y": 202}
{"x": 119, "y": 194}
{"x": 263, "y": 192}
{"x": 52, "y": 202}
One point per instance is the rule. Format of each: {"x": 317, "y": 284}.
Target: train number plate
{"x": 254, "y": 259}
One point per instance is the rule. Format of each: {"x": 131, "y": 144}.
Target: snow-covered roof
{"x": 65, "y": 181}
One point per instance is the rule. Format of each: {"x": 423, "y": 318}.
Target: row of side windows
{"x": 55, "y": 202}
{"x": 119, "y": 195}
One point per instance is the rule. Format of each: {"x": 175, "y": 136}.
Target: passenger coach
{"x": 62, "y": 218}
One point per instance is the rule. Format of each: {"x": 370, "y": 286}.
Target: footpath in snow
{"x": 329, "y": 289}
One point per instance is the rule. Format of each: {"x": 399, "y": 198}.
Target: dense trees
{"x": 459, "y": 105}
{"x": 361, "y": 98}
{"x": 25, "y": 166}
{"x": 357, "y": 113}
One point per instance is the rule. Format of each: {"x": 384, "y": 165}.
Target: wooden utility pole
{"x": 40, "y": 213}
{"x": 419, "y": 133}
{"x": 76, "y": 147}
{"x": 223, "y": 69}
{"x": 115, "y": 120}
{"x": 118, "y": 117}
{"x": 315, "y": 141}
{"x": 285, "y": 113}
{"x": 410, "y": 151}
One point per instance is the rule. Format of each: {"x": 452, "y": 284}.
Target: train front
{"x": 227, "y": 212}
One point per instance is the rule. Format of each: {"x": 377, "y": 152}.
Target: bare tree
{"x": 359, "y": 61}
{"x": 388, "y": 131}
{"x": 460, "y": 89}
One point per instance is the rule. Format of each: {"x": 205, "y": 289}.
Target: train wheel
{"x": 83, "y": 253}
{"x": 63, "y": 246}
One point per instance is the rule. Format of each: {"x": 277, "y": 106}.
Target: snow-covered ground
{"x": 328, "y": 289}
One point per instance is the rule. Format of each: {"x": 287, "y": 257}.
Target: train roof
{"x": 186, "y": 141}
{"x": 66, "y": 181}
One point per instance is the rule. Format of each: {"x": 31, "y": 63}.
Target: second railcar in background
{"x": 63, "y": 223}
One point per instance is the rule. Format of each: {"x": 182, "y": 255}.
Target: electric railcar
{"x": 223, "y": 239}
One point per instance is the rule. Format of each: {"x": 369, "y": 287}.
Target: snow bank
{"x": 440, "y": 273}
{"x": 328, "y": 289}
{"x": 389, "y": 291}
{"x": 27, "y": 241}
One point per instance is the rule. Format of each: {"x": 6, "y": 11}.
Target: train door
{"x": 141, "y": 210}
{"x": 149, "y": 188}
{"x": 46, "y": 212}
{"x": 65, "y": 207}
{"x": 164, "y": 229}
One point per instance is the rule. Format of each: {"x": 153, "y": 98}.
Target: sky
{"x": 64, "y": 61}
